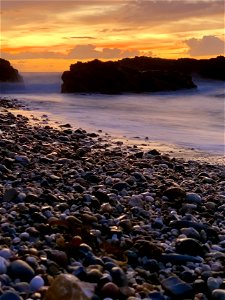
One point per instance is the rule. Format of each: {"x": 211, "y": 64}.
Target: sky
{"x": 51, "y": 35}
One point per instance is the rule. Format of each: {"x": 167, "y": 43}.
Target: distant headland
{"x": 139, "y": 74}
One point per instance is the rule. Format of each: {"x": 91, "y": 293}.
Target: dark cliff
{"x": 8, "y": 73}
{"x": 122, "y": 76}
{"x": 139, "y": 74}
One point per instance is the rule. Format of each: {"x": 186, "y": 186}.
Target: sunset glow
{"x": 51, "y": 35}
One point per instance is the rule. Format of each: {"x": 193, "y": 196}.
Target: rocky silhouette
{"x": 8, "y": 73}
{"x": 139, "y": 74}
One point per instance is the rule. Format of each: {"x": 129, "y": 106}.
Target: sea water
{"x": 187, "y": 118}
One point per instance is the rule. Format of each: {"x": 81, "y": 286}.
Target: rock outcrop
{"x": 126, "y": 75}
{"x": 139, "y": 74}
{"x": 8, "y": 73}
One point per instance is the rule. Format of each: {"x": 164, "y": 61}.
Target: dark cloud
{"x": 208, "y": 45}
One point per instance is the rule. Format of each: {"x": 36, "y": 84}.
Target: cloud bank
{"x": 208, "y": 45}
{"x": 82, "y": 52}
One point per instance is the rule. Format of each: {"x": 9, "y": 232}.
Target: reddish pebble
{"x": 110, "y": 290}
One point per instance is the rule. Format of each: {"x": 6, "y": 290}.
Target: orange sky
{"x": 50, "y": 35}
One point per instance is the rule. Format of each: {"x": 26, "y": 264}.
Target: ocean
{"x": 187, "y": 118}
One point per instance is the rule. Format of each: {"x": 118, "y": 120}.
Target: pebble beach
{"x": 84, "y": 217}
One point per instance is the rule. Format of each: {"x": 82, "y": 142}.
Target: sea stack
{"x": 137, "y": 75}
{"x": 8, "y": 73}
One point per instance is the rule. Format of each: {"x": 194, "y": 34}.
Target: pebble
{"x": 110, "y": 290}
{"x": 189, "y": 246}
{"x": 20, "y": 269}
{"x": 10, "y": 195}
{"x": 10, "y": 296}
{"x": 36, "y": 283}
{"x": 3, "y": 265}
{"x": 193, "y": 198}
{"x": 69, "y": 287}
{"x": 119, "y": 220}
{"x": 218, "y": 294}
{"x": 176, "y": 287}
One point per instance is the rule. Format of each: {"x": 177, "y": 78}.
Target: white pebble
{"x": 36, "y": 283}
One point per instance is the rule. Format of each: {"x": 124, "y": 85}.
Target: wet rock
{"x": 173, "y": 193}
{"x": 69, "y": 287}
{"x": 3, "y": 265}
{"x": 10, "y": 195}
{"x": 189, "y": 246}
{"x": 58, "y": 256}
{"x": 94, "y": 275}
{"x": 10, "y": 296}
{"x": 110, "y": 290}
{"x": 213, "y": 283}
{"x": 119, "y": 186}
{"x": 118, "y": 276}
{"x": 176, "y": 287}
{"x": 218, "y": 294}
{"x": 193, "y": 198}
{"x": 175, "y": 258}
{"x": 36, "y": 283}
{"x": 148, "y": 248}
{"x": 22, "y": 159}
{"x": 20, "y": 269}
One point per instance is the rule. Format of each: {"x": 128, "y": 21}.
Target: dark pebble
{"x": 118, "y": 276}
{"x": 20, "y": 269}
{"x": 189, "y": 246}
{"x": 10, "y": 296}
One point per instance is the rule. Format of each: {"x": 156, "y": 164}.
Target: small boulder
{"x": 69, "y": 287}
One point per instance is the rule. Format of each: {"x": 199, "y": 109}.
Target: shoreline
{"x": 41, "y": 118}
{"x": 105, "y": 218}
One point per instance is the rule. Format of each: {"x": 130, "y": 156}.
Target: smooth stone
{"x": 118, "y": 276}
{"x": 148, "y": 248}
{"x": 213, "y": 283}
{"x": 156, "y": 296}
{"x": 190, "y": 232}
{"x": 210, "y": 205}
{"x": 94, "y": 275}
{"x": 175, "y": 258}
{"x": 69, "y": 287}
{"x": 10, "y": 195}
{"x": 36, "y": 283}
{"x": 119, "y": 186}
{"x": 182, "y": 223}
{"x": 199, "y": 285}
{"x": 176, "y": 287}
{"x": 136, "y": 201}
{"x": 22, "y": 287}
{"x": 10, "y": 296}
{"x": 173, "y": 193}
{"x": 22, "y": 159}
{"x": 20, "y": 269}
{"x": 60, "y": 257}
{"x": 193, "y": 198}
{"x": 3, "y": 265}
{"x": 111, "y": 290}
{"x": 218, "y": 294}
{"x": 189, "y": 246}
